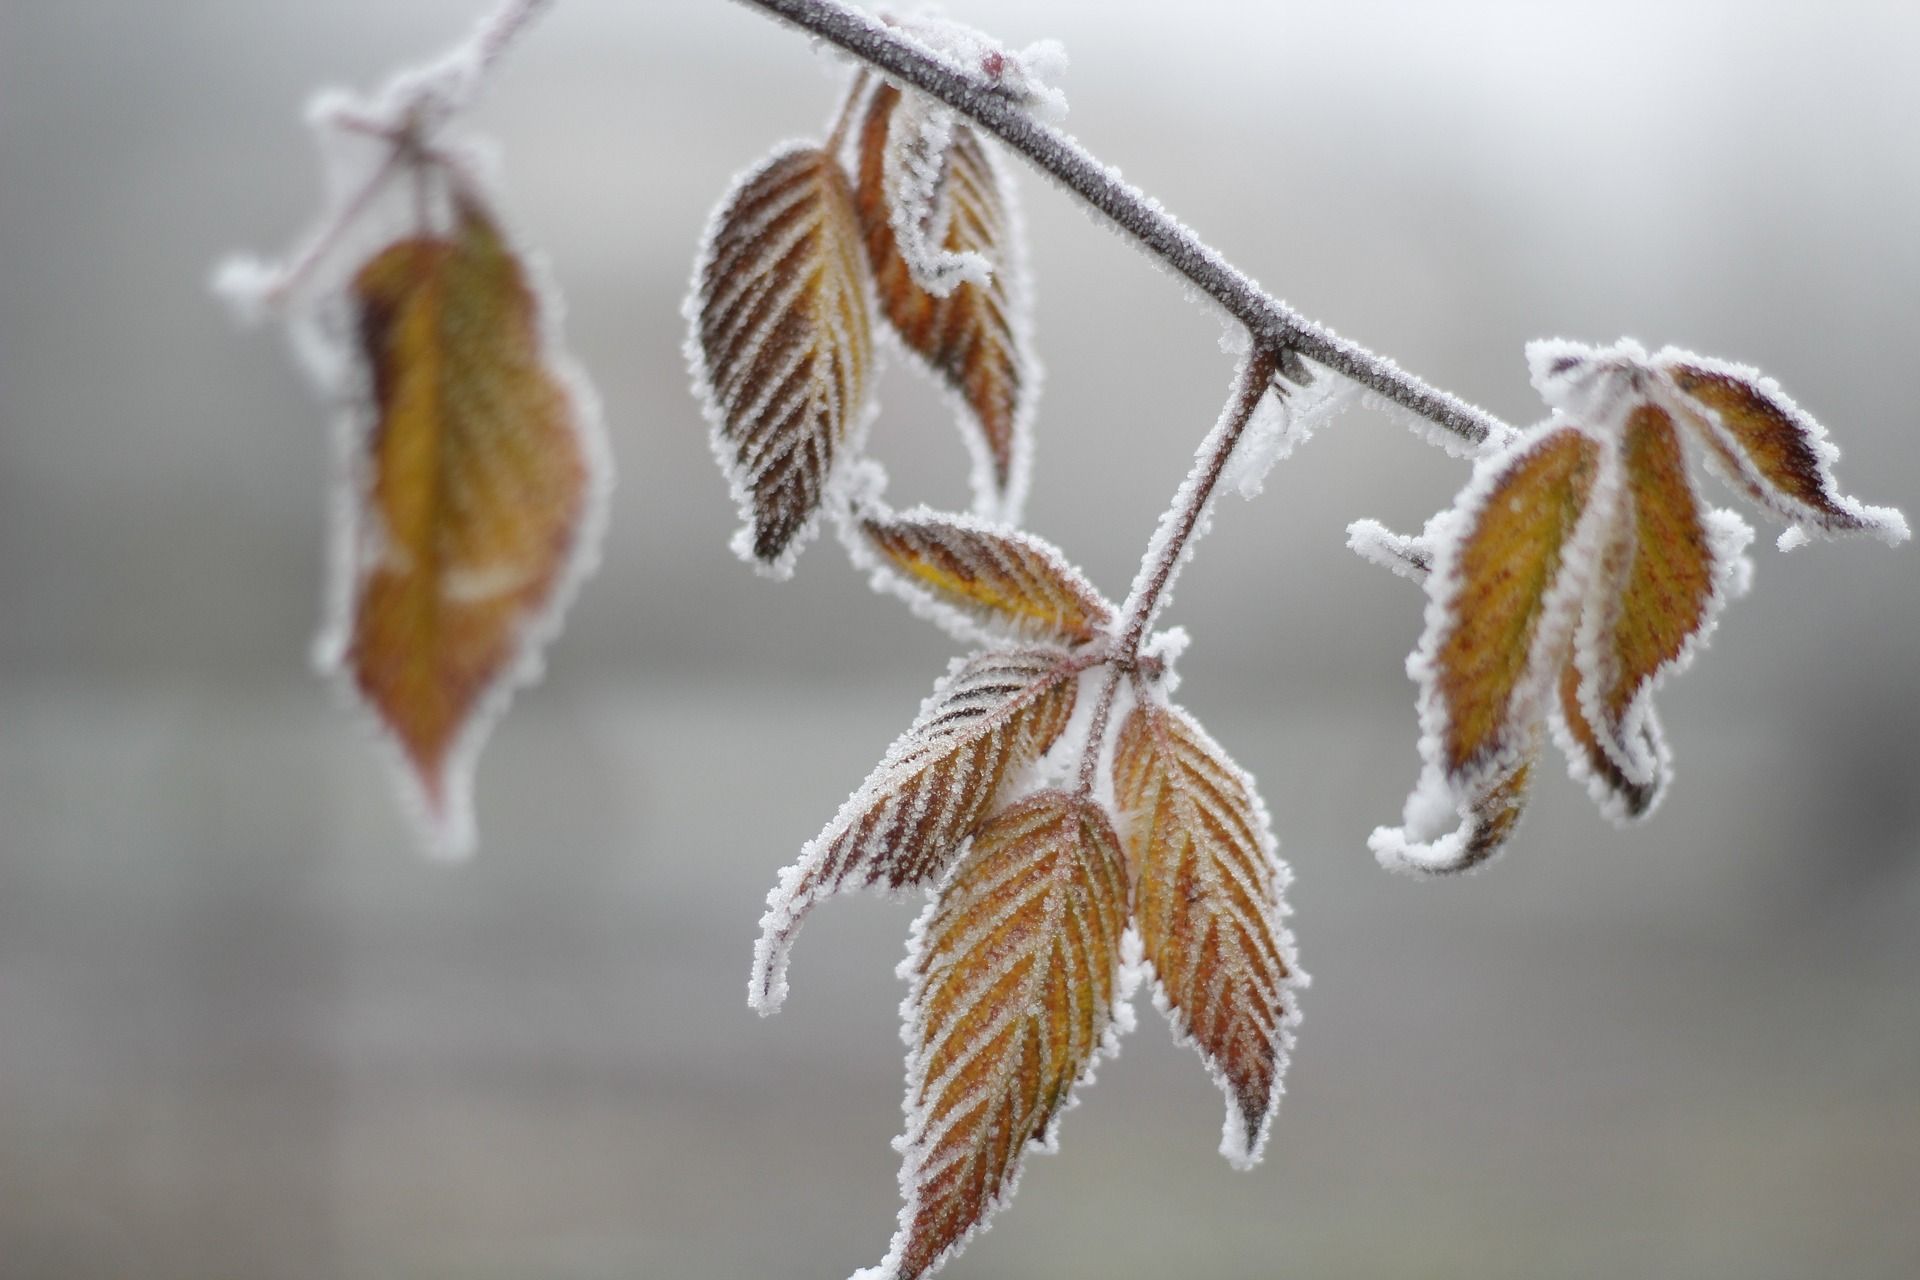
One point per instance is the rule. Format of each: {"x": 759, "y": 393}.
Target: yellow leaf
{"x": 1206, "y": 899}
{"x": 476, "y": 482}
{"x": 1495, "y": 597}
{"x": 1000, "y": 578}
{"x": 783, "y": 344}
{"x": 970, "y": 338}
{"x": 1015, "y": 974}
{"x": 983, "y": 724}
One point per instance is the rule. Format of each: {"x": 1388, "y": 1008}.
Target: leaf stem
{"x": 1097, "y": 731}
{"x": 1272, "y": 323}
{"x": 1174, "y": 535}
{"x": 843, "y": 119}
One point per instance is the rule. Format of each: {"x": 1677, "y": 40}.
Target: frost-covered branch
{"x": 1174, "y": 538}
{"x": 1272, "y": 323}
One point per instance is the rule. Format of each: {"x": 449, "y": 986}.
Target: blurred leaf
{"x": 475, "y": 486}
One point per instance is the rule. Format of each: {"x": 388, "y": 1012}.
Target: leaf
{"x": 1497, "y": 602}
{"x": 1002, "y": 581}
{"x": 1770, "y": 448}
{"x": 1487, "y": 808}
{"x": 1619, "y": 796}
{"x": 476, "y": 482}
{"x": 782, "y": 346}
{"x": 985, "y": 722}
{"x": 1654, "y": 598}
{"x": 973, "y": 338}
{"x": 1206, "y": 900}
{"x": 1016, "y": 978}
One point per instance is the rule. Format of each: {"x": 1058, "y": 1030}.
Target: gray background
{"x": 245, "y": 1031}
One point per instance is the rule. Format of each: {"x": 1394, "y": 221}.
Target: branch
{"x": 1168, "y": 550}
{"x": 1272, "y": 324}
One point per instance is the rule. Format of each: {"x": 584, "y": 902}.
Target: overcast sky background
{"x": 245, "y": 1030}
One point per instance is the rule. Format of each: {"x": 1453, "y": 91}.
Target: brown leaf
{"x": 1617, "y": 794}
{"x": 971, "y": 338}
{"x": 1495, "y": 595}
{"x": 782, "y": 344}
{"x": 1015, "y": 973}
{"x": 999, "y": 578}
{"x": 984, "y": 723}
{"x": 476, "y": 482}
{"x": 1771, "y": 448}
{"x": 1206, "y": 899}
{"x": 1652, "y": 599}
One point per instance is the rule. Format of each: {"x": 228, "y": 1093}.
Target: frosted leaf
{"x": 992, "y": 715}
{"x": 1769, "y": 448}
{"x": 977, "y": 579}
{"x": 1017, "y": 992}
{"x": 916, "y": 169}
{"x": 1207, "y": 904}
{"x": 946, "y": 250}
{"x": 781, "y": 346}
{"x": 474, "y": 469}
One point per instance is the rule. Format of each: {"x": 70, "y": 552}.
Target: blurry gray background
{"x": 245, "y": 1031}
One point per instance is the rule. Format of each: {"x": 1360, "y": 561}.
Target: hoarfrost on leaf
{"x": 994, "y": 714}
{"x": 1578, "y": 570}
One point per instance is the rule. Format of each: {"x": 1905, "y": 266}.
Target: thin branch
{"x": 1271, "y": 323}
{"x": 1097, "y": 731}
{"x": 1171, "y": 540}
{"x": 503, "y": 28}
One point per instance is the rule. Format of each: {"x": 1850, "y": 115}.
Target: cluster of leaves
{"x": 1076, "y": 831}
{"x": 1579, "y": 568}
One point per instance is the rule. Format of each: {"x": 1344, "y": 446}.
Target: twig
{"x": 1271, "y": 322}
{"x": 1168, "y": 548}
{"x": 1097, "y": 731}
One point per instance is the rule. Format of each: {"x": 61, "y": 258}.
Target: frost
{"x": 1409, "y": 556}
{"x": 1025, "y": 76}
{"x": 916, "y": 168}
{"x": 1286, "y": 417}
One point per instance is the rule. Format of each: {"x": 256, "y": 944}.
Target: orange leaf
{"x": 782, "y": 344}
{"x": 1771, "y": 448}
{"x": 1016, "y": 973}
{"x": 1499, "y": 588}
{"x": 1653, "y": 598}
{"x": 1618, "y": 795}
{"x": 1000, "y": 579}
{"x": 1206, "y": 899}
{"x": 476, "y": 485}
{"x": 984, "y": 723}
{"x": 972, "y": 338}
